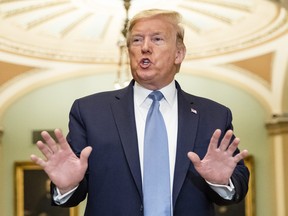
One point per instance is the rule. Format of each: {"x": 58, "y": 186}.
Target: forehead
{"x": 154, "y": 24}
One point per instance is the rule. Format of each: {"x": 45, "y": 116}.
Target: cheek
{"x": 132, "y": 61}
{"x": 166, "y": 59}
{"x": 132, "y": 56}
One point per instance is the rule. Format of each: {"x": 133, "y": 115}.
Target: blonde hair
{"x": 172, "y": 16}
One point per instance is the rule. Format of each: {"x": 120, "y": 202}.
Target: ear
{"x": 180, "y": 54}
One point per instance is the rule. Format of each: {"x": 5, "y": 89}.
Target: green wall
{"x": 48, "y": 107}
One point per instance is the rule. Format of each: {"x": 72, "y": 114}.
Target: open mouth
{"x": 145, "y": 63}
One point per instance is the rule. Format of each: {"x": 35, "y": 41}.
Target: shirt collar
{"x": 141, "y": 93}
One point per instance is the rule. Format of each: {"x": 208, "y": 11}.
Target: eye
{"x": 136, "y": 40}
{"x": 158, "y": 39}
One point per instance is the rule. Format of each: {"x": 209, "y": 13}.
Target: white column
{"x": 278, "y": 130}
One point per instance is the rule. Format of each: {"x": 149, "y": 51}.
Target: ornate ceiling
{"x": 246, "y": 41}
{"x": 87, "y": 31}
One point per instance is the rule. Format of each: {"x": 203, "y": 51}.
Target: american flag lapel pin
{"x": 193, "y": 111}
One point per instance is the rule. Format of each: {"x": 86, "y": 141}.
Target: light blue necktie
{"x": 156, "y": 178}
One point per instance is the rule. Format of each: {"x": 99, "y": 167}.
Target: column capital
{"x": 278, "y": 124}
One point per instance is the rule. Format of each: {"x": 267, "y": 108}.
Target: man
{"x": 205, "y": 165}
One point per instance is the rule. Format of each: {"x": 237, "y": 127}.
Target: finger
{"x": 85, "y": 153}
{"x": 214, "y": 140}
{"x": 234, "y": 145}
{"x": 61, "y": 139}
{"x": 226, "y": 140}
{"x": 49, "y": 141}
{"x": 38, "y": 160}
{"x": 240, "y": 156}
{"x": 46, "y": 151}
{"x": 194, "y": 158}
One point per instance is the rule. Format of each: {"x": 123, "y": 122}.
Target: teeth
{"x": 146, "y": 61}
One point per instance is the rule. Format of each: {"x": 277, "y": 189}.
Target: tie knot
{"x": 156, "y": 95}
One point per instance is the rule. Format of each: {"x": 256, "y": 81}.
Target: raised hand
{"x": 219, "y": 163}
{"x": 62, "y": 166}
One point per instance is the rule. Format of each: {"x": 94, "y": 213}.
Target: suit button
{"x": 141, "y": 208}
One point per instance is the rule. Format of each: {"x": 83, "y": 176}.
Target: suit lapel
{"x": 187, "y": 127}
{"x": 123, "y": 111}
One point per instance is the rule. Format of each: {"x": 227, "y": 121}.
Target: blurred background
{"x": 54, "y": 51}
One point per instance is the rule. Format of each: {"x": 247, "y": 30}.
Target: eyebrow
{"x": 141, "y": 34}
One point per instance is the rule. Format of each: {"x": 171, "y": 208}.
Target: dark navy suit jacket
{"x": 106, "y": 121}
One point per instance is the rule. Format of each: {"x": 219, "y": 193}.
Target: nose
{"x": 146, "y": 46}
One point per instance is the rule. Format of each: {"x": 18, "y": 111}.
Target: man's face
{"x": 153, "y": 53}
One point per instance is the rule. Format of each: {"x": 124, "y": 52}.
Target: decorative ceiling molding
{"x": 66, "y": 37}
{"x": 239, "y": 77}
{"x": 259, "y": 65}
{"x": 87, "y": 31}
{"x": 37, "y": 78}
{"x": 9, "y": 71}
{"x": 30, "y": 6}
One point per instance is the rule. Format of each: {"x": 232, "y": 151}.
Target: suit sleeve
{"x": 240, "y": 176}
{"x": 77, "y": 140}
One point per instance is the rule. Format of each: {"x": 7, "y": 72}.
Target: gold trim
{"x": 250, "y": 209}
{"x": 1, "y": 134}
{"x": 247, "y": 206}
{"x": 19, "y": 169}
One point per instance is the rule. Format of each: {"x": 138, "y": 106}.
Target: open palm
{"x": 62, "y": 166}
{"x": 219, "y": 162}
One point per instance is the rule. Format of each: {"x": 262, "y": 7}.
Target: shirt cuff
{"x": 225, "y": 191}
{"x": 62, "y": 198}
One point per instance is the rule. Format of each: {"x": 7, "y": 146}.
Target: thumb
{"x": 194, "y": 158}
{"x": 85, "y": 153}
